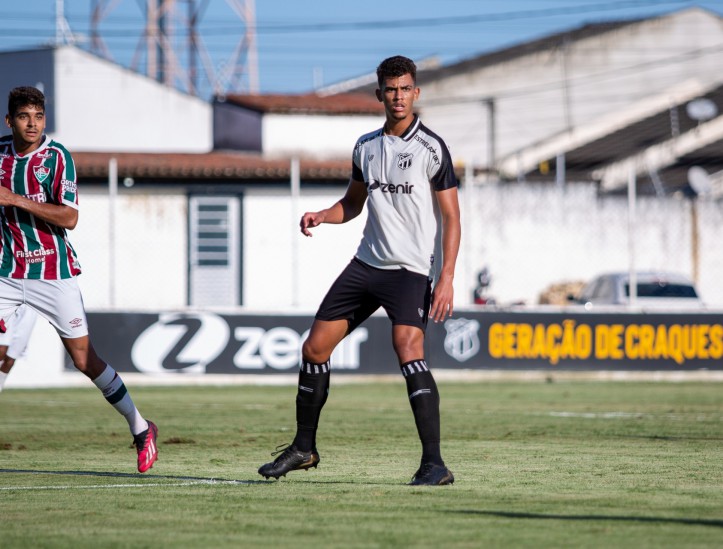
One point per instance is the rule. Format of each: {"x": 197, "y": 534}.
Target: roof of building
{"x": 644, "y": 133}
{"x": 216, "y": 166}
{"x": 674, "y": 178}
{"x": 550, "y": 42}
{"x": 309, "y": 103}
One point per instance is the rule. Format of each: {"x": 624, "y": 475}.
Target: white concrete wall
{"x": 149, "y": 254}
{"x": 537, "y": 95}
{"x": 101, "y": 106}
{"x": 528, "y": 235}
{"x": 283, "y": 269}
{"x": 322, "y": 136}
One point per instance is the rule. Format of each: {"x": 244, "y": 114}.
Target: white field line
{"x": 135, "y": 485}
{"x": 682, "y": 416}
{"x": 628, "y": 415}
{"x": 604, "y": 415}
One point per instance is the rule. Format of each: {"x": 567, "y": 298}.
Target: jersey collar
{"x": 43, "y": 146}
{"x": 409, "y": 132}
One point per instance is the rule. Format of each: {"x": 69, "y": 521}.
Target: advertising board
{"x": 177, "y": 343}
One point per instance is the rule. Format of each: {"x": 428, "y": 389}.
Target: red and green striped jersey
{"x": 31, "y": 247}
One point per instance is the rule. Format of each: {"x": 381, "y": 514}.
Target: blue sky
{"x": 304, "y": 44}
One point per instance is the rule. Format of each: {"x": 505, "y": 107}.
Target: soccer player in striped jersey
{"x": 38, "y": 265}
{"x": 404, "y": 173}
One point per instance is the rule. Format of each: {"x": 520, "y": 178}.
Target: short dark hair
{"x": 395, "y": 67}
{"x": 24, "y": 96}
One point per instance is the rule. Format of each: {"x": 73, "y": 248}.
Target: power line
{"x": 307, "y": 27}
{"x": 123, "y": 32}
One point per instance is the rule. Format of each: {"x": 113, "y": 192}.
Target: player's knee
{"x": 408, "y": 349}
{"x": 7, "y": 365}
{"x": 408, "y": 342}
{"x": 81, "y": 363}
{"x": 89, "y": 364}
{"x": 313, "y": 352}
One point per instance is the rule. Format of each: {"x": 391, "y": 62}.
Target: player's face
{"x": 28, "y": 126}
{"x": 398, "y": 95}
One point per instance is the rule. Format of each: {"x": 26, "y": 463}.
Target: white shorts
{"x": 60, "y": 301}
{"x": 18, "y": 331}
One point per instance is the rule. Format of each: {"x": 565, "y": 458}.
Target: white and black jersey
{"x": 402, "y": 174}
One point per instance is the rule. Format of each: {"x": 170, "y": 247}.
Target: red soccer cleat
{"x": 145, "y": 443}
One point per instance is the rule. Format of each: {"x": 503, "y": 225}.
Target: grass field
{"x": 571, "y": 464}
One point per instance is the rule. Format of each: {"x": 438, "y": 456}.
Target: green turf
{"x": 569, "y": 464}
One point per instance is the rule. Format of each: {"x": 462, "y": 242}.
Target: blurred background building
{"x": 591, "y": 150}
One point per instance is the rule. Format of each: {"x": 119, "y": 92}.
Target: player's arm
{"x": 443, "y": 295}
{"x": 345, "y": 209}
{"x": 57, "y": 214}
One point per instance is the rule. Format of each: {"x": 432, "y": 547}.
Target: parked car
{"x": 655, "y": 290}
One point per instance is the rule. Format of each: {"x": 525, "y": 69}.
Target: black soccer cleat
{"x": 290, "y": 459}
{"x": 431, "y": 474}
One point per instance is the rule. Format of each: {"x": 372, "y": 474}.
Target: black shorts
{"x": 361, "y": 289}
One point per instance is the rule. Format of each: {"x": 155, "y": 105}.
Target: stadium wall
{"x": 529, "y": 236}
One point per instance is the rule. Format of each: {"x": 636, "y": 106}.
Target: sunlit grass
{"x": 537, "y": 464}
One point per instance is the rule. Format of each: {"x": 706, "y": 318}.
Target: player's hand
{"x": 442, "y": 299}
{"x": 310, "y": 220}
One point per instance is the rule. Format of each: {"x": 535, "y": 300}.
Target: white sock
{"x": 115, "y": 392}
{"x": 3, "y": 377}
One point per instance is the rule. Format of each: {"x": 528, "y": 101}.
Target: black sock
{"x": 424, "y": 399}
{"x": 310, "y": 399}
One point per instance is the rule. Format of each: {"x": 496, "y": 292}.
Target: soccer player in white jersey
{"x": 404, "y": 173}
{"x": 14, "y": 343}
{"x": 38, "y": 265}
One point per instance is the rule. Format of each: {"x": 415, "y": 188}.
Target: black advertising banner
{"x": 209, "y": 343}
{"x": 582, "y": 341}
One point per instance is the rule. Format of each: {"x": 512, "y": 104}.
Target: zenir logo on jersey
{"x": 41, "y": 173}
{"x": 405, "y": 188}
{"x": 404, "y": 160}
